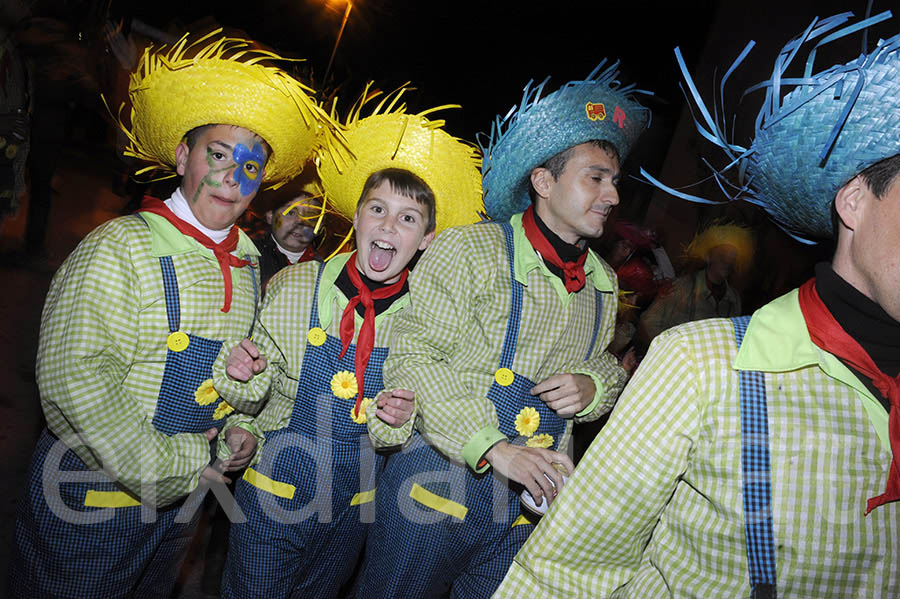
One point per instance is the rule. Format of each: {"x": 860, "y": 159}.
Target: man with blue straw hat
{"x": 757, "y": 456}
{"x": 135, "y": 318}
{"x": 504, "y": 343}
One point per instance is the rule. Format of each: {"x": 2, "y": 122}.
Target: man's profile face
{"x": 578, "y": 203}
{"x": 221, "y": 173}
{"x": 872, "y": 256}
{"x": 293, "y": 223}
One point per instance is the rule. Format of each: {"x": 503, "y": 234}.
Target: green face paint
{"x": 208, "y": 179}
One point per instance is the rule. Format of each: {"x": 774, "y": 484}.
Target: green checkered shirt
{"x": 102, "y": 348}
{"x": 655, "y": 508}
{"x": 447, "y": 345}
{"x": 281, "y": 335}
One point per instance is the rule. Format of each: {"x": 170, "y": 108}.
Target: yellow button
{"x": 316, "y": 336}
{"x": 178, "y": 341}
{"x": 504, "y": 376}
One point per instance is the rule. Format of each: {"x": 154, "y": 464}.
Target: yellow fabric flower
{"x": 542, "y": 440}
{"x": 206, "y": 393}
{"x": 361, "y": 418}
{"x": 343, "y": 384}
{"x": 527, "y": 421}
{"x": 222, "y": 410}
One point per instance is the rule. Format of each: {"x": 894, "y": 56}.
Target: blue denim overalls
{"x": 308, "y": 501}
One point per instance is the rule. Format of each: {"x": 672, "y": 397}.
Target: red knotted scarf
{"x": 366, "y": 340}
{"x": 221, "y": 250}
{"x": 573, "y": 270}
{"x": 826, "y": 333}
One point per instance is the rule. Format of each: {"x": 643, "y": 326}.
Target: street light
{"x": 338, "y": 40}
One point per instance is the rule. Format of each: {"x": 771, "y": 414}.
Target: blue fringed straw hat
{"x": 598, "y": 107}
{"x": 813, "y": 133}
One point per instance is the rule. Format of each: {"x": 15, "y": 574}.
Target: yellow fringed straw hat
{"x": 391, "y": 138}
{"x": 221, "y": 80}
{"x": 741, "y": 238}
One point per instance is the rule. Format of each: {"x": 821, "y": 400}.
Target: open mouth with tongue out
{"x": 381, "y": 253}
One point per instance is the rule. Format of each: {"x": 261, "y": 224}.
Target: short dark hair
{"x": 406, "y": 184}
{"x": 557, "y": 164}
{"x": 191, "y": 137}
{"x": 878, "y": 178}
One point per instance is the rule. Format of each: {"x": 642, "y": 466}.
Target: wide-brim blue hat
{"x": 598, "y": 107}
{"x": 812, "y": 139}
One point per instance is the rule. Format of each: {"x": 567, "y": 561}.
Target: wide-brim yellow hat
{"x": 174, "y": 90}
{"x": 390, "y": 138}
{"x": 741, "y": 238}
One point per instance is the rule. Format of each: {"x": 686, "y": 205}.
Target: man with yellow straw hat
{"x": 134, "y": 320}
{"x": 721, "y": 250}
{"x": 505, "y": 345}
{"x": 293, "y": 229}
{"x": 324, "y": 332}
{"x": 760, "y": 456}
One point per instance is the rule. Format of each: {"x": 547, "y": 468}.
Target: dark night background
{"x": 476, "y": 54}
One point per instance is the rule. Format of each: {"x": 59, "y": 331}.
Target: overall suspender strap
{"x": 170, "y": 287}
{"x": 515, "y": 303}
{"x": 255, "y": 296}
{"x": 314, "y": 312}
{"x": 755, "y": 468}
{"x": 598, "y": 317}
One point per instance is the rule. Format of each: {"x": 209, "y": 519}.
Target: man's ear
{"x": 181, "y": 155}
{"x": 541, "y": 179}
{"x": 849, "y": 200}
{"x": 269, "y": 215}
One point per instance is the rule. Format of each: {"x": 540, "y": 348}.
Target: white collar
{"x": 179, "y": 206}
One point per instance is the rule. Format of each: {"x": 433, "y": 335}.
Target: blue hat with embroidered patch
{"x": 598, "y": 107}
{"x": 814, "y": 133}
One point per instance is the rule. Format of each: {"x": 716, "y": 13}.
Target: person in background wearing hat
{"x": 290, "y": 236}
{"x": 504, "y": 345}
{"x": 134, "y": 319}
{"x": 723, "y": 250}
{"x": 324, "y": 336}
{"x": 757, "y": 456}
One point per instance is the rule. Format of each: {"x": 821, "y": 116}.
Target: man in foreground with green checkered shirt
{"x": 504, "y": 343}
{"x": 757, "y": 457}
{"x": 133, "y": 321}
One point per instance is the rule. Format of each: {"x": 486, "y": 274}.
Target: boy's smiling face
{"x": 390, "y": 228}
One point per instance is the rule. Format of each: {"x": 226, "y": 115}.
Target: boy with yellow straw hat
{"x": 133, "y": 322}
{"x": 324, "y": 331}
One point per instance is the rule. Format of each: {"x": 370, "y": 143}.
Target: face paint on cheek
{"x": 250, "y": 166}
{"x": 209, "y": 179}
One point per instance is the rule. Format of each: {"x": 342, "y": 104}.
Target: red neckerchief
{"x": 307, "y": 255}
{"x": 826, "y": 333}
{"x": 574, "y": 270}
{"x": 366, "y": 339}
{"x": 221, "y": 250}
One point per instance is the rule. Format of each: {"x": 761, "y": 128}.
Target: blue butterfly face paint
{"x": 249, "y": 167}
